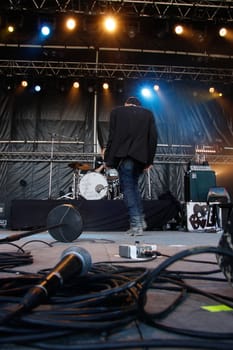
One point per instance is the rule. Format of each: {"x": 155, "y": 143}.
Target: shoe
{"x": 144, "y": 225}
{"x": 135, "y": 231}
{"x": 139, "y": 233}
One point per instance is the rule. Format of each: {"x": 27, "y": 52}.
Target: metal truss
{"x": 185, "y": 158}
{"x": 63, "y": 157}
{"x": 21, "y": 151}
{"x": 69, "y": 157}
{"x": 115, "y": 70}
{"x": 58, "y": 157}
{"x": 215, "y": 68}
{"x": 195, "y": 10}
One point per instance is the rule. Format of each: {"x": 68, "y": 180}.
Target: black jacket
{"x": 132, "y": 133}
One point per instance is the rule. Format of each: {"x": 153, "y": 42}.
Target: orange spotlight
{"x": 222, "y": 32}
{"x": 76, "y": 85}
{"x": 71, "y": 23}
{"x": 105, "y": 86}
{"x": 10, "y": 28}
{"x": 110, "y": 24}
{"x": 211, "y": 90}
{"x": 179, "y": 29}
{"x": 24, "y": 83}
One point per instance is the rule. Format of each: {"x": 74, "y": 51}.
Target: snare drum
{"x": 93, "y": 186}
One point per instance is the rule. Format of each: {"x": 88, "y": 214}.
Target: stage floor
{"x": 195, "y": 311}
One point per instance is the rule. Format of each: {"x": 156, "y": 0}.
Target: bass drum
{"x": 93, "y": 186}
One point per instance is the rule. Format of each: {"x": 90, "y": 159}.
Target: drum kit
{"x": 91, "y": 185}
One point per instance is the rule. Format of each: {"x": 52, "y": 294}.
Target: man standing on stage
{"x": 131, "y": 149}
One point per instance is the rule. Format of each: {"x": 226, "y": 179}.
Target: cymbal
{"x": 80, "y": 166}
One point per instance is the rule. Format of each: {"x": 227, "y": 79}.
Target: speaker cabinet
{"x": 197, "y": 185}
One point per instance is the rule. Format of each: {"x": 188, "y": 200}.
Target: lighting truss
{"x": 176, "y": 154}
{"x": 195, "y": 10}
{"x": 67, "y": 157}
{"x": 205, "y": 11}
{"x": 115, "y": 70}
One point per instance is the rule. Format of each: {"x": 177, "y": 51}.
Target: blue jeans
{"x": 129, "y": 173}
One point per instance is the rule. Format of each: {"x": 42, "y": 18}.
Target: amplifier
{"x": 197, "y": 185}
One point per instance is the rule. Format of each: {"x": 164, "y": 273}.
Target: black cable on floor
{"x": 14, "y": 259}
{"x": 107, "y": 299}
{"x": 161, "y": 273}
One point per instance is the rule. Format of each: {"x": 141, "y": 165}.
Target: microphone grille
{"x": 83, "y": 255}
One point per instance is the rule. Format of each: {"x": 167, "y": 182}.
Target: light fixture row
{"x": 105, "y": 86}
{"x": 182, "y": 30}
{"x": 75, "y": 85}
{"x": 70, "y": 24}
{"x": 145, "y": 91}
{"x": 109, "y": 23}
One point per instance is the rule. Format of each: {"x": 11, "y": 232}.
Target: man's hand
{"x": 148, "y": 167}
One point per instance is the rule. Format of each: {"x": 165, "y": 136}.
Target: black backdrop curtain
{"x": 184, "y": 116}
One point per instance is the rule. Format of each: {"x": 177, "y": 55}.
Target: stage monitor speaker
{"x": 197, "y": 185}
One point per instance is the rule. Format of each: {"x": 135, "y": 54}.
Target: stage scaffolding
{"x": 22, "y": 151}
{"x": 202, "y": 9}
{"x": 125, "y": 71}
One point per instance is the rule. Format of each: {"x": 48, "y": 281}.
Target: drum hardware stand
{"x": 74, "y": 193}
{"x": 77, "y": 168}
{"x": 113, "y": 185}
{"x": 149, "y": 184}
{"x": 51, "y": 165}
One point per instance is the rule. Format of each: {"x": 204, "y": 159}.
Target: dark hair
{"x": 133, "y": 101}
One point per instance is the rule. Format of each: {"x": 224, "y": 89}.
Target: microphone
{"x": 74, "y": 261}
{"x": 64, "y": 223}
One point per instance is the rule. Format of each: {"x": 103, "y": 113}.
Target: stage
{"x": 176, "y": 298}
{"x": 97, "y": 215}
{"x": 198, "y": 320}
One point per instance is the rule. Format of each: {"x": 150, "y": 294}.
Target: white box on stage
{"x": 203, "y": 217}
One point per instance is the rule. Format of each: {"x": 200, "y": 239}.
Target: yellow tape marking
{"x": 217, "y": 308}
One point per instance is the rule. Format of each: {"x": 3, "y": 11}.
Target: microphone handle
{"x": 67, "y": 267}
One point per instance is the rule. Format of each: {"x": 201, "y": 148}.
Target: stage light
{"x": 156, "y": 87}
{"x": 9, "y": 85}
{"x": 37, "y": 88}
{"x": 90, "y": 89}
{"x": 120, "y": 85}
{"x": 211, "y": 90}
{"x": 133, "y": 29}
{"x": 131, "y": 32}
{"x": 179, "y": 29}
{"x": 76, "y": 85}
{"x": 110, "y": 24}
{"x": 10, "y": 28}
{"x": 146, "y": 92}
{"x": 105, "y": 86}
{"x": 222, "y": 32}
{"x": 24, "y": 83}
{"x": 45, "y": 30}
{"x": 70, "y": 23}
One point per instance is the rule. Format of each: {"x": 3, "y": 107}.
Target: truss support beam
{"x": 115, "y": 70}
{"x": 196, "y": 10}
